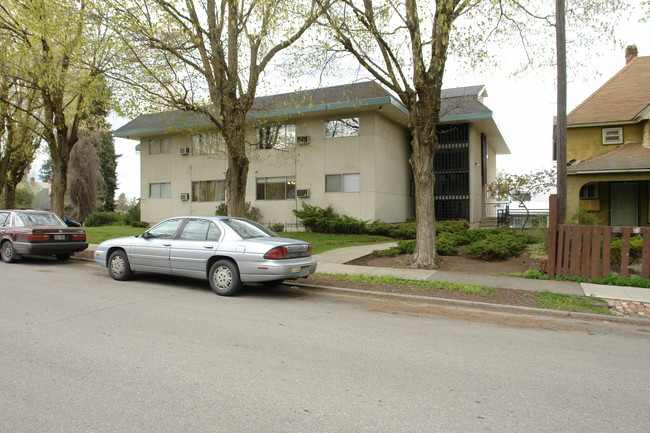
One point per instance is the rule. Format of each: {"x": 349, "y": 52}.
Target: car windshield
{"x": 29, "y": 219}
{"x": 248, "y": 229}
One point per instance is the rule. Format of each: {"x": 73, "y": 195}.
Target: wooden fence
{"x": 585, "y": 250}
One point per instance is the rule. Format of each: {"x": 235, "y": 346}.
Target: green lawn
{"x": 95, "y": 235}
{"x": 321, "y": 242}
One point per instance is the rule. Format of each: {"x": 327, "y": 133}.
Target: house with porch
{"x": 347, "y": 146}
{"x": 608, "y": 148}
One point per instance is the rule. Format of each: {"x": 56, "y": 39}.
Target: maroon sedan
{"x": 37, "y": 232}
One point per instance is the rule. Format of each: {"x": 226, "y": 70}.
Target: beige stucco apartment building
{"x": 345, "y": 146}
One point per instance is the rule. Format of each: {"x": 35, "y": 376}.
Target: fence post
{"x": 625, "y": 251}
{"x": 645, "y": 258}
{"x": 552, "y": 235}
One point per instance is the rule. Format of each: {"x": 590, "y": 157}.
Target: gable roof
{"x": 458, "y": 104}
{"x": 627, "y": 157}
{"x": 621, "y": 99}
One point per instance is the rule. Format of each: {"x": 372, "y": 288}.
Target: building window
{"x": 612, "y": 135}
{"x": 160, "y": 190}
{"x": 349, "y": 182}
{"x": 589, "y": 191}
{"x": 276, "y": 188}
{"x": 207, "y": 144}
{"x": 209, "y": 190}
{"x": 276, "y": 137}
{"x": 158, "y": 146}
{"x": 342, "y": 127}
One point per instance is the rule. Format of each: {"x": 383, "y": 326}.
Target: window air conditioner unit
{"x": 184, "y": 150}
{"x": 302, "y": 140}
{"x": 185, "y": 196}
{"x": 302, "y": 193}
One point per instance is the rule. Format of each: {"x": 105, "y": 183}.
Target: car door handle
{"x": 208, "y": 247}
{"x": 167, "y": 245}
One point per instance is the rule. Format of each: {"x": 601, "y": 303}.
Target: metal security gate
{"x": 451, "y": 165}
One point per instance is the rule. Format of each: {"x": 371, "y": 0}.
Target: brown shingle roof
{"x": 620, "y": 99}
{"x": 626, "y": 157}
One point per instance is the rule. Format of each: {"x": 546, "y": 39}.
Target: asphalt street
{"x": 80, "y": 352}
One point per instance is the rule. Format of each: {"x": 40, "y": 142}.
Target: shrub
{"x": 616, "y": 280}
{"x": 636, "y": 249}
{"x": 99, "y": 219}
{"x": 446, "y": 244}
{"x": 452, "y": 226}
{"x": 535, "y": 275}
{"x": 404, "y": 231}
{"x": 380, "y": 228}
{"x": 583, "y": 218}
{"x": 132, "y": 215}
{"x": 325, "y": 220}
{"x": 250, "y": 212}
{"x": 403, "y": 247}
{"x": 277, "y": 227}
{"x": 499, "y": 246}
{"x": 141, "y": 224}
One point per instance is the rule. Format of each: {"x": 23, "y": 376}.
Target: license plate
{"x": 59, "y": 237}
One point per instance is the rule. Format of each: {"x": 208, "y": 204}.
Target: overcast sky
{"x": 523, "y": 105}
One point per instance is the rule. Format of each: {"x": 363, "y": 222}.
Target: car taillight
{"x": 277, "y": 253}
{"x": 38, "y": 238}
{"x": 78, "y": 237}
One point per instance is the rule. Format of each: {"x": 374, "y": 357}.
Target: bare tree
{"x": 207, "y": 57}
{"x": 404, "y": 45}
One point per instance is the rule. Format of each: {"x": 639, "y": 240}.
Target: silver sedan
{"x": 224, "y": 250}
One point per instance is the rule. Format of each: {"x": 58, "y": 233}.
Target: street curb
{"x": 487, "y": 305}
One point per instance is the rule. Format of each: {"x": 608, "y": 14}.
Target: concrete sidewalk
{"x": 334, "y": 262}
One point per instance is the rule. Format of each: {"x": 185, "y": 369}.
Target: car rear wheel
{"x": 224, "y": 278}
{"x": 118, "y": 266}
{"x": 8, "y": 252}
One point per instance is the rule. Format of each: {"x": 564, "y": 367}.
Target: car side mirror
{"x": 145, "y": 235}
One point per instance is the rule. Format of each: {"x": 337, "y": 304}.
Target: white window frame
{"x": 617, "y": 140}
{"x": 159, "y": 146}
{"x": 343, "y": 183}
{"x": 220, "y": 190}
{"x": 276, "y": 136}
{"x": 340, "y": 128}
{"x": 207, "y": 144}
{"x": 160, "y": 190}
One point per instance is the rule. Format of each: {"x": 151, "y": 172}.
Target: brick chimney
{"x": 631, "y": 52}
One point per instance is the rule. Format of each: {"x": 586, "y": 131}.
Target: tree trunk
{"x": 9, "y": 196}
{"x": 424, "y": 178}
{"x": 59, "y": 185}
{"x": 237, "y": 173}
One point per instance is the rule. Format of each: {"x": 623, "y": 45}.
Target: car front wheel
{"x": 224, "y": 278}
{"x": 118, "y": 266}
{"x": 8, "y": 253}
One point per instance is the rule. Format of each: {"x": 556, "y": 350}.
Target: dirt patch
{"x": 459, "y": 263}
{"x": 521, "y": 298}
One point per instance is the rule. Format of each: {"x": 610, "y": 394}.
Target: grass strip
{"x": 576, "y": 304}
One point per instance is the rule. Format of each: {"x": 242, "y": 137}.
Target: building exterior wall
{"x": 586, "y": 142}
{"x": 379, "y": 154}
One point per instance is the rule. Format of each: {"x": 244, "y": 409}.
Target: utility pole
{"x": 561, "y": 133}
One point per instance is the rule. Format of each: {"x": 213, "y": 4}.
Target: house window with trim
{"x": 349, "y": 182}
{"x": 342, "y": 127}
{"x": 612, "y": 135}
{"x": 160, "y": 190}
{"x": 276, "y": 188}
{"x": 159, "y": 146}
{"x": 276, "y": 137}
{"x": 209, "y": 190}
{"x": 589, "y": 191}
{"x": 207, "y": 144}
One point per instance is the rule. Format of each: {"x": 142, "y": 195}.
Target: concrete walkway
{"x": 334, "y": 262}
